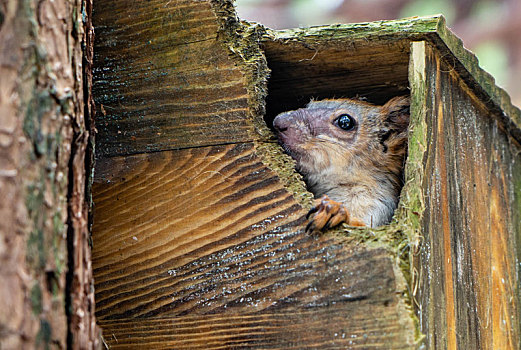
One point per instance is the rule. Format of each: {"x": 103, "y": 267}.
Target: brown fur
{"x": 362, "y": 167}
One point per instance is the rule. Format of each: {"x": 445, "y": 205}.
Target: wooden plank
{"x": 481, "y": 82}
{"x": 468, "y": 286}
{"x": 212, "y": 231}
{"x": 341, "y": 326}
{"x": 163, "y": 79}
{"x": 198, "y": 202}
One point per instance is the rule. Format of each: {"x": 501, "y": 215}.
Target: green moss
{"x": 284, "y": 166}
{"x": 36, "y": 253}
{"x": 410, "y": 211}
{"x": 406, "y": 28}
{"x": 59, "y": 229}
{"x": 44, "y": 336}
{"x": 40, "y": 104}
{"x": 37, "y": 244}
{"x": 36, "y": 299}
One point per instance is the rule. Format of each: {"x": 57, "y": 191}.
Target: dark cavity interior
{"x": 343, "y": 69}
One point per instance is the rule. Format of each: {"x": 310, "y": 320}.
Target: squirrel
{"x": 351, "y": 155}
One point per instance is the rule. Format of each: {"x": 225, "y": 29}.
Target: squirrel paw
{"x": 329, "y": 213}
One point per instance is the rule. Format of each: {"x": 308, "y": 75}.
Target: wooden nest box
{"x": 198, "y": 226}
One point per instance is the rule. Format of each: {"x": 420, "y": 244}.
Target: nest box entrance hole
{"x": 300, "y": 71}
{"x": 374, "y": 71}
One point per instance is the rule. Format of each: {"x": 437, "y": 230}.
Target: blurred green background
{"x": 489, "y": 28}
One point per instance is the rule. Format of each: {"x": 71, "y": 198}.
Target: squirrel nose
{"x": 281, "y": 122}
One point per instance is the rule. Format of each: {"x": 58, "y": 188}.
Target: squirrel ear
{"x": 396, "y": 112}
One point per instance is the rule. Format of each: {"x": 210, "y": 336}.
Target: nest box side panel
{"x": 154, "y": 60}
{"x": 201, "y": 244}
{"x": 468, "y": 284}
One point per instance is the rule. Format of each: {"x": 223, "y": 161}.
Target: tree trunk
{"x": 46, "y": 296}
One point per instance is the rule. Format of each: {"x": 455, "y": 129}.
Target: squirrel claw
{"x": 311, "y": 211}
{"x": 329, "y": 213}
{"x": 310, "y": 227}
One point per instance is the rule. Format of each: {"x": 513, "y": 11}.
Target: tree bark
{"x": 46, "y": 296}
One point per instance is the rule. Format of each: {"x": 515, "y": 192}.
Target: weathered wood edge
{"x": 408, "y": 216}
{"x": 432, "y": 29}
{"x": 243, "y": 41}
{"x": 484, "y": 80}
{"x": 407, "y": 28}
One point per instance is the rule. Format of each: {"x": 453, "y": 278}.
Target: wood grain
{"x": 163, "y": 79}
{"x": 341, "y": 326}
{"x": 211, "y": 231}
{"x": 469, "y": 284}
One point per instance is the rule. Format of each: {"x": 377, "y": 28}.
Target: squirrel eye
{"x": 345, "y": 122}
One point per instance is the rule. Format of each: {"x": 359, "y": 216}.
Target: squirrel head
{"x": 346, "y": 140}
